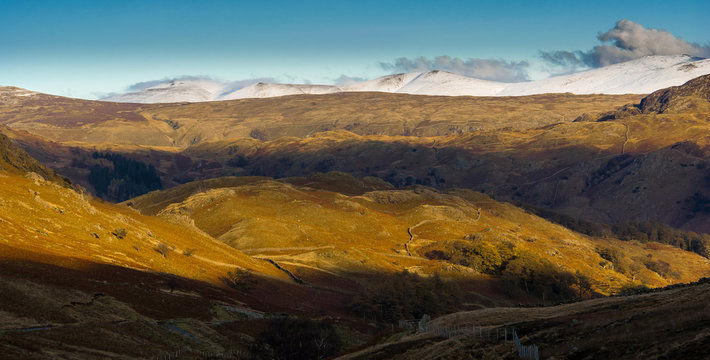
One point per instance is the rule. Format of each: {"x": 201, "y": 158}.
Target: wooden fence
{"x": 188, "y": 353}
{"x": 527, "y": 352}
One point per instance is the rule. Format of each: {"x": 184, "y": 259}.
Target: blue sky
{"x": 91, "y": 48}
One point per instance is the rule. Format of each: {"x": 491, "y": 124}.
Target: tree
{"x": 295, "y": 339}
{"x": 538, "y": 277}
{"x": 406, "y": 295}
{"x": 241, "y": 279}
{"x": 584, "y": 285}
{"x": 488, "y": 260}
{"x": 125, "y": 178}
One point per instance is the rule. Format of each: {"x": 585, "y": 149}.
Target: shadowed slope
{"x": 620, "y": 168}
{"x": 16, "y": 161}
{"x": 669, "y": 324}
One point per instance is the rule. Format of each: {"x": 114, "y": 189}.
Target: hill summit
{"x": 695, "y": 92}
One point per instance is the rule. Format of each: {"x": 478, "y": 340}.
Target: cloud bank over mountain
{"x": 485, "y": 69}
{"x": 347, "y": 80}
{"x": 639, "y": 76}
{"x": 626, "y": 41}
{"x": 225, "y": 86}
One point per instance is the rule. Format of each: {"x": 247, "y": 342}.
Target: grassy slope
{"x": 41, "y": 217}
{"x": 183, "y": 124}
{"x": 569, "y": 166}
{"x": 555, "y": 166}
{"x": 73, "y": 285}
{"x": 662, "y": 325}
{"x": 312, "y": 228}
{"x": 47, "y": 228}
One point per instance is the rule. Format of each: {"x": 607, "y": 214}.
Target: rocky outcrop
{"x": 15, "y": 160}
{"x": 675, "y": 99}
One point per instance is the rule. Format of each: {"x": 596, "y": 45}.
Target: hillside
{"x": 73, "y": 266}
{"x": 82, "y": 278}
{"x": 322, "y": 235}
{"x": 42, "y": 218}
{"x": 670, "y": 324}
{"x": 601, "y": 171}
{"x": 640, "y": 76}
{"x": 14, "y": 160}
{"x": 597, "y": 166}
{"x": 99, "y": 123}
{"x": 198, "y": 264}
{"x": 47, "y": 222}
{"x": 600, "y": 167}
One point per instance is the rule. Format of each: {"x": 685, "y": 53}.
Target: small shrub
{"x": 241, "y": 279}
{"x": 613, "y": 256}
{"x": 437, "y": 255}
{"x": 188, "y": 252}
{"x": 120, "y": 233}
{"x": 163, "y": 249}
{"x": 472, "y": 237}
{"x": 660, "y": 267}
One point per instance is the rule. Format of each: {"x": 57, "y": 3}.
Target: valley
{"x": 209, "y": 227}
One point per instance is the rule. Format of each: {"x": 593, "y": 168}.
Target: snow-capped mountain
{"x": 190, "y": 90}
{"x": 448, "y": 84}
{"x": 389, "y": 83}
{"x": 640, "y": 76}
{"x": 262, "y": 90}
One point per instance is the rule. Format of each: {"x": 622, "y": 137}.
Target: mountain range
{"x": 311, "y": 224}
{"x": 640, "y": 76}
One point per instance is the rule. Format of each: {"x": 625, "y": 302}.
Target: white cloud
{"x": 627, "y": 41}
{"x": 227, "y": 86}
{"x": 347, "y": 80}
{"x": 146, "y": 84}
{"x": 487, "y": 69}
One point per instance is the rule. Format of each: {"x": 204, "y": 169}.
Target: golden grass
{"x": 181, "y": 125}
{"x": 347, "y": 234}
{"x": 43, "y": 218}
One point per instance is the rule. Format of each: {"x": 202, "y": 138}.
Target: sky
{"x": 90, "y": 49}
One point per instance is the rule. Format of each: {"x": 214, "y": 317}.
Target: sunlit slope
{"x": 184, "y": 124}
{"x": 645, "y": 161}
{"x": 42, "y": 219}
{"x": 392, "y": 230}
{"x": 589, "y": 169}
